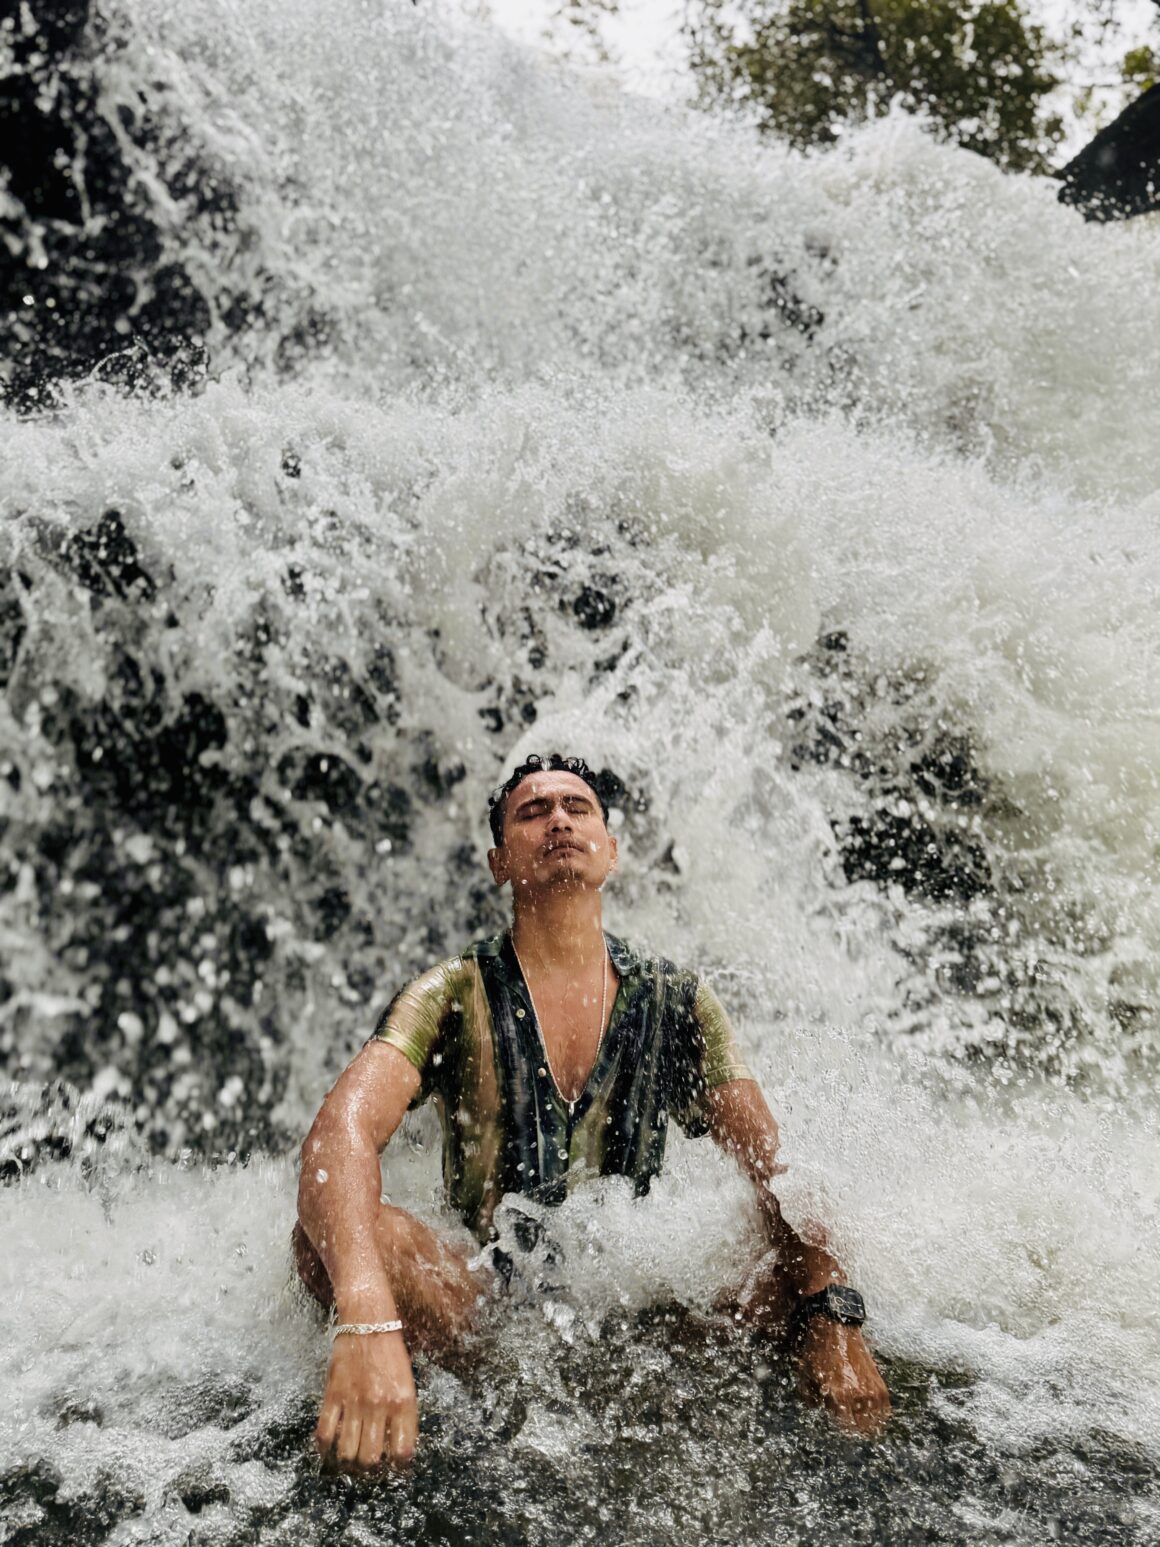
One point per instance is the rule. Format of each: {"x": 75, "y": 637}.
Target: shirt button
{"x": 543, "y": 1073}
{"x": 519, "y": 1015}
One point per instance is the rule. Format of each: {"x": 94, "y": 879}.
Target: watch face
{"x": 845, "y": 1304}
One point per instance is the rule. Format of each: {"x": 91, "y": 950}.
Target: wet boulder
{"x": 1117, "y": 174}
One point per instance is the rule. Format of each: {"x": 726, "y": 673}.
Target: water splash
{"x": 812, "y": 498}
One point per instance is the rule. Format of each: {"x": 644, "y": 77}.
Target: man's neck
{"x": 559, "y": 929}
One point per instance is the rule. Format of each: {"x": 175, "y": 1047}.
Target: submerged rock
{"x": 35, "y": 1514}
{"x": 198, "y": 1488}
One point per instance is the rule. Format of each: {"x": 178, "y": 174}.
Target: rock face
{"x": 1118, "y": 174}
{"x": 207, "y": 857}
{"x": 243, "y": 735}
{"x": 86, "y": 271}
{"x": 140, "y": 859}
{"x": 126, "y": 252}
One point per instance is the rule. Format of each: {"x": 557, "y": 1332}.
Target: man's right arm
{"x": 369, "y": 1403}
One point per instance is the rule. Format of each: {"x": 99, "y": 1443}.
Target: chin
{"x": 569, "y": 875}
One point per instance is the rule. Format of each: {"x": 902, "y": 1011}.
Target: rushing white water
{"x": 562, "y": 457}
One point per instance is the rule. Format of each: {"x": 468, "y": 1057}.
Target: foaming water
{"x": 161, "y": 1361}
{"x": 457, "y": 211}
{"x": 464, "y": 544}
{"x": 813, "y": 497}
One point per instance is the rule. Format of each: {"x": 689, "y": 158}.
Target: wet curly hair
{"x": 555, "y": 762}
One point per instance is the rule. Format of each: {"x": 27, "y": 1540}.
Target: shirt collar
{"x": 624, "y": 958}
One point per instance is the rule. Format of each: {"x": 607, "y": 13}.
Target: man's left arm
{"x": 835, "y": 1366}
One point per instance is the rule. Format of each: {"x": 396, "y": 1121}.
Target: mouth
{"x": 563, "y": 848}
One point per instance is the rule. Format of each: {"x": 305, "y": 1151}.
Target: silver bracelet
{"x": 362, "y": 1328}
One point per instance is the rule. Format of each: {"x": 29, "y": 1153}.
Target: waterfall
{"x": 452, "y": 406}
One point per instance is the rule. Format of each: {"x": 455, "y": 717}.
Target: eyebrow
{"x": 530, "y": 802}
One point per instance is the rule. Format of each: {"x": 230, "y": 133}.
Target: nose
{"x": 560, "y": 820}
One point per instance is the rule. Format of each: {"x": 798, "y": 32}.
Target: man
{"x": 553, "y": 1051}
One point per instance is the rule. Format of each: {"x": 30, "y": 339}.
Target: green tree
{"x": 1141, "y": 67}
{"x": 980, "y": 69}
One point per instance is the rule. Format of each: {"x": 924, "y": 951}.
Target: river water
{"x": 816, "y": 500}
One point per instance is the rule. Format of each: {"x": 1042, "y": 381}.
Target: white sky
{"x": 644, "y": 39}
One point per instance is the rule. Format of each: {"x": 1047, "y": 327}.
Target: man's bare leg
{"x": 435, "y": 1290}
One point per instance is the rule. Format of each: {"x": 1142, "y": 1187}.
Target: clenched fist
{"x": 369, "y": 1408}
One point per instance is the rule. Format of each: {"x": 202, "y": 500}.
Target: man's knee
{"x": 394, "y": 1227}
{"x": 400, "y": 1238}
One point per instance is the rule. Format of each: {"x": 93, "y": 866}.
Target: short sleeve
{"x": 704, "y": 1056}
{"x": 721, "y": 1060}
{"x": 416, "y": 1020}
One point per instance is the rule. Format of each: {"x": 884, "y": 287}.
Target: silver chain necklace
{"x": 540, "y": 1024}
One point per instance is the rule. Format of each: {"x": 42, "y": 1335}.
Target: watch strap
{"x": 838, "y": 1302}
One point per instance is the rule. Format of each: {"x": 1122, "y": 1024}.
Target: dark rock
{"x": 382, "y": 672}
{"x": 668, "y": 861}
{"x": 197, "y": 1488}
{"x": 104, "y": 559}
{"x": 594, "y": 608}
{"x": 947, "y": 771}
{"x": 249, "y": 942}
{"x": 439, "y": 777}
{"x": 285, "y": 1436}
{"x": 171, "y": 838}
{"x": 324, "y": 777}
{"x": 1117, "y": 175}
{"x": 217, "y": 1400}
{"x": 611, "y": 788}
{"x": 84, "y": 1520}
{"x": 153, "y": 769}
{"x": 38, "y": 1481}
{"x": 95, "y": 1514}
{"x": 794, "y": 311}
{"x": 333, "y": 908}
{"x": 82, "y": 1411}
{"x": 388, "y": 813}
{"x": 81, "y": 271}
{"x": 13, "y": 625}
{"x": 780, "y": 307}
{"x": 45, "y": 1123}
{"x": 919, "y": 782}
{"x": 908, "y": 851}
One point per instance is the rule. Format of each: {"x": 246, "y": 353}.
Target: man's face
{"x": 553, "y": 835}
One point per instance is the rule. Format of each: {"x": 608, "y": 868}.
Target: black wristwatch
{"x": 837, "y": 1301}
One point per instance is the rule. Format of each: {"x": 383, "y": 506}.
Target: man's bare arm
{"x": 836, "y": 1367}
{"x": 369, "y": 1403}
{"x": 340, "y": 1182}
{"x": 742, "y": 1124}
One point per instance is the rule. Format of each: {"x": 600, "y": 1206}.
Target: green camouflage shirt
{"x": 469, "y": 1027}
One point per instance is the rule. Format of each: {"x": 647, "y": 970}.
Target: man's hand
{"x": 369, "y": 1405}
{"x": 837, "y": 1371}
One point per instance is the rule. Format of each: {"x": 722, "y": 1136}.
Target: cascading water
{"x": 814, "y": 499}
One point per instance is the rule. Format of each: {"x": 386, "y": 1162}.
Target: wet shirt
{"x": 469, "y": 1028}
